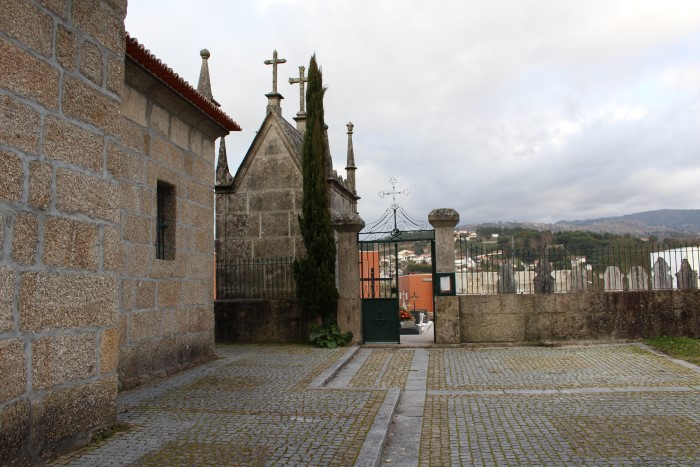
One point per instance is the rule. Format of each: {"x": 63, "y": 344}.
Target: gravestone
{"x": 661, "y": 273}
{"x": 506, "y": 279}
{"x": 687, "y": 278}
{"x": 612, "y": 279}
{"x": 544, "y": 282}
{"x": 638, "y": 279}
{"x": 578, "y": 278}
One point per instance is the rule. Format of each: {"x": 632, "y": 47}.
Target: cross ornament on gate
{"x": 274, "y": 63}
{"x": 301, "y": 80}
{"x": 393, "y": 192}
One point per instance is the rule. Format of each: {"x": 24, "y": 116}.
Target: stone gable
{"x": 258, "y": 211}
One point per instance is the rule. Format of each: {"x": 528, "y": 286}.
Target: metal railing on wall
{"x": 490, "y": 268}
{"x": 255, "y": 278}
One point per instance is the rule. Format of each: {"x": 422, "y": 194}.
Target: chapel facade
{"x": 257, "y": 209}
{"x": 258, "y": 234}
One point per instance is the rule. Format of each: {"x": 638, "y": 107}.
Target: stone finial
{"x": 223, "y": 176}
{"x": 350, "y": 169}
{"x": 204, "y": 85}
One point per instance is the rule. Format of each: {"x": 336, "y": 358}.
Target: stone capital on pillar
{"x": 444, "y": 221}
{"x": 443, "y": 217}
{"x": 349, "y": 222}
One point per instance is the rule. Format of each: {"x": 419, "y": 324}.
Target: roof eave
{"x": 150, "y": 63}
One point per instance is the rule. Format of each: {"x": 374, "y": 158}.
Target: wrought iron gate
{"x": 379, "y": 291}
{"x": 379, "y": 270}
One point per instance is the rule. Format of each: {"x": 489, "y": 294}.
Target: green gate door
{"x": 379, "y": 291}
{"x": 380, "y": 320}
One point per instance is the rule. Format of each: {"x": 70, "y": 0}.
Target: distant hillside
{"x": 663, "y": 223}
{"x": 660, "y": 223}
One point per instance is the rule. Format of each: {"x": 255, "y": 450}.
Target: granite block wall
{"x": 166, "y": 318}
{"x": 61, "y": 82}
{"x": 260, "y": 322}
{"x": 572, "y": 316}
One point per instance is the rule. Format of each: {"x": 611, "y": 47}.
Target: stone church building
{"x": 258, "y": 235}
{"x": 106, "y": 207}
{"x": 257, "y": 209}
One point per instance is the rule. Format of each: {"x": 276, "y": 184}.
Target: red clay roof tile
{"x": 164, "y": 73}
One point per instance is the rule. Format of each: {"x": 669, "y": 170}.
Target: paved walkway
{"x": 294, "y": 405}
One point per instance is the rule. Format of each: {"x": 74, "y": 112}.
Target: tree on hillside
{"x": 315, "y": 273}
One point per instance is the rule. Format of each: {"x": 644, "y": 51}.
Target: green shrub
{"x": 328, "y": 336}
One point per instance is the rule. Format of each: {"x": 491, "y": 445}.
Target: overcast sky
{"x": 507, "y": 110}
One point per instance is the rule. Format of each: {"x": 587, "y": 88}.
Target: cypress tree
{"x": 315, "y": 274}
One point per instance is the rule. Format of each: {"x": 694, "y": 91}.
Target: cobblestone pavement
{"x": 584, "y": 405}
{"x": 252, "y": 407}
{"x": 383, "y": 369}
{"x": 264, "y": 405}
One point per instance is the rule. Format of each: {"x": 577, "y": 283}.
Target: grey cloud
{"x": 538, "y": 110}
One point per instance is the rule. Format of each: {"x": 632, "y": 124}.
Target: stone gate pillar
{"x": 447, "y": 327}
{"x": 349, "y": 314}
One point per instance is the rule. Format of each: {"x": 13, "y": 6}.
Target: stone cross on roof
{"x": 274, "y": 63}
{"x": 301, "y": 80}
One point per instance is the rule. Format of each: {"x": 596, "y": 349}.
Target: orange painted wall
{"x": 369, "y": 260}
{"x": 422, "y": 286}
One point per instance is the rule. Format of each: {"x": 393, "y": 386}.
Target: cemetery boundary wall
{"x": 257, "y": 321}
{"x": 563, "y": 317}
